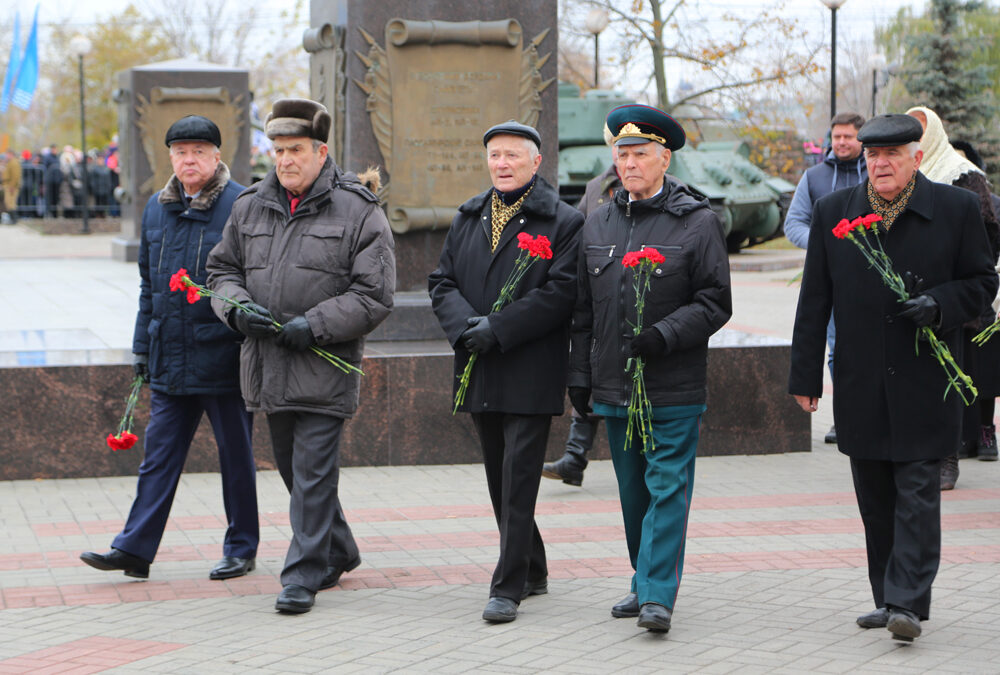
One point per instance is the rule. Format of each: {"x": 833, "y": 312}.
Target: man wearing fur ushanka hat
{"x": 307, "y": 248}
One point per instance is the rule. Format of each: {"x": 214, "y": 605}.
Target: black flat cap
{"x": 635, "y": 123}
{"x": 515, "y": 128}
{"x": 885, "y": 131}
{"x": 194, "y": 128}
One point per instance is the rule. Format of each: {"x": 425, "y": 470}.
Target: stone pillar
{"x": 150, "y": 98}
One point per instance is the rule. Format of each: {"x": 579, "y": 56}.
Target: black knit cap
{"x": 515, "y": 128}
{"x": 194, "y": 128}
{"x": 885, "y": 131}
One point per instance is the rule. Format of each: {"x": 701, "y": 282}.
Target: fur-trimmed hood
{"x": 173, "y": 190}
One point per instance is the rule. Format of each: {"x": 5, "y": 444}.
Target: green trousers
{"x": 655, "y": 489}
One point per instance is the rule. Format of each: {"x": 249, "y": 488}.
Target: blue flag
{"x": 13, "y": 65}
{"x": 27, "y": 76}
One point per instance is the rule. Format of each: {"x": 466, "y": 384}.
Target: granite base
{"x": 57, "y": 417}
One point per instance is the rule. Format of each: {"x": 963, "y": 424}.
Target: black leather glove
{"x": 257, "y": 323}
{"x": 649, "y": 342}
{"x": 296, "y": 335}
{"x": 580, "y": 398}
{"x": 479, "y": 337}
{"x": 922, "y": 310}
{"x": 913, "y": 284}
{"x": 140, "y": 366}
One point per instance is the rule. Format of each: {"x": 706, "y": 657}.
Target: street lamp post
{"x": 834, "y": 5}
{"x": 597, "y": 21}
{"x": 80, "y": 46}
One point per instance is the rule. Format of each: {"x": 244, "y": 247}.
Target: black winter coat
{"x": 689, "y": 297}
{"x": 526, "y": 373}
{"x": 887, "y": 401}
{"x": 190, "y": 351}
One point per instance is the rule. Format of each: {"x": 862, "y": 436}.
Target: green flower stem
{"x": 522, "y": 264}
{"x": 882, "y": 263}
{"x": 130, "y": 402}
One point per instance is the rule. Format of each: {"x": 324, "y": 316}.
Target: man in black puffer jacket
{"x": 189, "y": 358}
{"x": 688, "y": 299}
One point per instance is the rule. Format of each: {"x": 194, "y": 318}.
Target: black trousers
{"x": 900, "y": 504}
{"x": 513, "y": 453}
{"x": 307, "y": 452}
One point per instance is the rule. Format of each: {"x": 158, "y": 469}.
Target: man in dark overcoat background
{"x": 888, "y": 409}
{"x": 519, "y": 380}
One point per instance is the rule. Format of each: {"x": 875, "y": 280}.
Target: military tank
{"x": 750, "y": 203}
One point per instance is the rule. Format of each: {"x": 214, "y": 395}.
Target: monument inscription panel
{"x": 432, "y": 91}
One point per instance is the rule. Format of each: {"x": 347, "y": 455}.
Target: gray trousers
{"x": 307, "y": 452}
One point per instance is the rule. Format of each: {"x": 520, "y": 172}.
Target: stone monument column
{"x": 413, "y": 86}
{"x": 150, "y": 98}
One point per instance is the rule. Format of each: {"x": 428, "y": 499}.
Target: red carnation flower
{"x": 179, "y": 280}
{"x": 193, "y": 295}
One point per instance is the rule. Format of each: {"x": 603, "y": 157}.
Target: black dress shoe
{"x": 132, "y": 565}
{"x": 903, "y": 624}
{"x": 564, "y": 469}
{"x": 333, "y": 573}
{"x": 230, "y": 567}
{"x": 500, "y": 610}
{"x": 876, "y": 619}
{"x": 540, "y": 587}
{"x": 831, "y": 435}
{"x": 295, "y": 599}
{"x": 627, "y": 607}
{"x": 654, "y": 617}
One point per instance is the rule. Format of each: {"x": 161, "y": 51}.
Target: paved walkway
{"x": 774, "y": 572}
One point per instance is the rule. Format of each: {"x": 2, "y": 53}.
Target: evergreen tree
{"x": 941, "y": 72}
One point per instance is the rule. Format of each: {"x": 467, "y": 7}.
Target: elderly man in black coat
{"x": 888, "y": 408}
{"x": 519, "y": 379}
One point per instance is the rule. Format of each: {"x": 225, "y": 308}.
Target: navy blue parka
{"x": 190, "y": 350}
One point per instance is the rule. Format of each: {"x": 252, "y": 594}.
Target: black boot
{"x": 987, "y": 447}
{"x": 949, "y": 472}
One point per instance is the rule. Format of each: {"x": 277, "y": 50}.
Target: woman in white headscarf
{"x": 943, "y": 164}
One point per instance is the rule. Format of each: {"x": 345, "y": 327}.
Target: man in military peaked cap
{"x": 688, "y": 300}
{"x": 519, "y": 379}
{"x": 888, "y": 409}
{"x": 309, "y": 247}
{"x": 189, "y": 358}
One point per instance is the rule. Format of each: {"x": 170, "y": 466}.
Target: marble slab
{"x": 56, "y": 417}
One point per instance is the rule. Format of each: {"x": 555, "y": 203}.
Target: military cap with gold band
{"x": 636, "y": 123}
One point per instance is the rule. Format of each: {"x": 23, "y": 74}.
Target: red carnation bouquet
{"x": 124, "y": 438}
{"x": 532, "y": 248}
{"x": 859, "y": 232}
{"x": 640, "y": 410}
{"x": 180, "y": 281}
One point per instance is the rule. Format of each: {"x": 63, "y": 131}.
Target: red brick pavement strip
{"x": 377, "y": 515}
{"x": 402, "y": 577}
{"x": 89, "y": 655}
{"x": 456, "y": 540}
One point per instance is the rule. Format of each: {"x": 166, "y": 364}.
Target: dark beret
{"x": 194, "y": 128}
{"x": 298, "y": 117}
{"x": 635, "y": 123}
{"x": 886, "y": 131}
{"x": 515, "y": 128}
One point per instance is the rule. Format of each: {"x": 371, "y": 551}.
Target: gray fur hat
{"x": 298, "y": 117}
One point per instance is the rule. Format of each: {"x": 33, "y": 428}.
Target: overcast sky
{"x": 854, "y": 19}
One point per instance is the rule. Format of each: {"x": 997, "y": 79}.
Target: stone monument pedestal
{"x": 152, "y": 97}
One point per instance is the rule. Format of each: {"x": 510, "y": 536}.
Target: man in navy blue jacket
{"x": 189, "y": 358}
